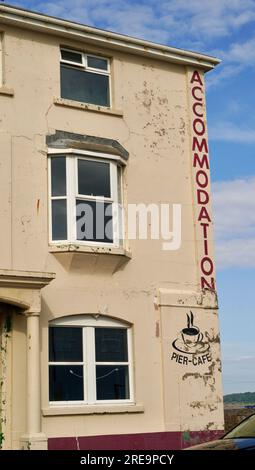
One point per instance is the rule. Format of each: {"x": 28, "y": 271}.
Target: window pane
{"x": 94, "y": 178}
{"x": 119, "y": 176}
{"x": 66, "y": 383}
{"x": 84, "y": 86}
{"x": 65, "y": 344}
{"x": 112, "y": 382}
{"x": 59, "y": 221}
{"x": 111, "y": 345}
{"x": 72, "y": 56}
{"x": 97, "y": 63}
{"x": 58, "y": 176}
{"x": 94, "y": 221}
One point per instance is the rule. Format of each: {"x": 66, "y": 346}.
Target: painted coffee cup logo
{"x": 191, "y": 334}
{"x": 191, "y": 344}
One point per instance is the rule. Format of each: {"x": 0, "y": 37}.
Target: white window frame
{"x": 72, "y": 194}
{"x": 84, "y": 66}
{"x": 88, "y": 323}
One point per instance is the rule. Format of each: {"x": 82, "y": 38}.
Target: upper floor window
{"x": 85, "y": 193}
{"x": 89, "y": 360}
{"x": 85, "y": 77}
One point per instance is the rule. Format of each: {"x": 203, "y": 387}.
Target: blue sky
{"x": 226, "y": 29}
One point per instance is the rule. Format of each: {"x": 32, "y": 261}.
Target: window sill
{"x": 71, "y": 248}
{"x": 6, "y": 91}
{"x": 92, "y": 409}
{"x": 87, "y": 107}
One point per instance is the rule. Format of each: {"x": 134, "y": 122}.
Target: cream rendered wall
{"x": 155, "y": 130}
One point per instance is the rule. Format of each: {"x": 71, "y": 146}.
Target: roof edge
{"x": 48, "y": 24}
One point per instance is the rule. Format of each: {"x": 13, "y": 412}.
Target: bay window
{"x": 85, "y": 199}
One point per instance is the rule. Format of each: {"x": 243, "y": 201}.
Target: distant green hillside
{"x": 247, "y": 397}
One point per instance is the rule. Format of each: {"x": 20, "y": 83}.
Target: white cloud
{"x": 233, "y": 359}
{"x": 221, "y": 75}
{"x": 241, "y": 53}
{"x": 235, "y": 59}
{"x": 212, "y": 19}
{"x": 234, "y": 215}
{"x": 235, "y": 253}
{"x": 191, "y": 25}
{"x": 176, "y": 21}
{"x": 228, "y": 131}
{"x": 237, "y": 365}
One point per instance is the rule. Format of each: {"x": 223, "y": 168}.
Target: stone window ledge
{"x": 92, "y": 409}
{"x": 71, "y": 248}
{"x": 6, "y": 91}
{"x": 87, "y": 107}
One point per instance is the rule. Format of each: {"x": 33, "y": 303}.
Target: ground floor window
{"x": 89, "y": 360}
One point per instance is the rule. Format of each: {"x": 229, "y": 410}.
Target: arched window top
{"x": 93, "y": 320}
{"x": 90, "y": 360}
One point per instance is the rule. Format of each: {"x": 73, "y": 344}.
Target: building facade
{"x": 107, "y": 340}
